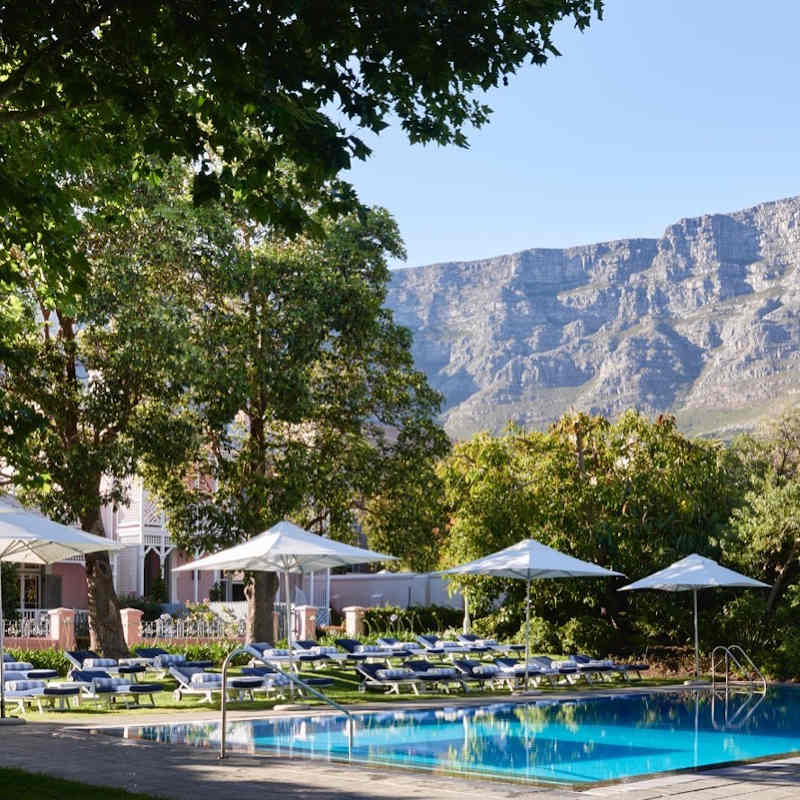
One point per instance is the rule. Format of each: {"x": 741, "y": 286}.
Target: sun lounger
{"x": 310, "y": 651}
{"x": 558, "y": 669}
{"x": 401, "y": 649}
{"x": 274, "y": 678}
{"x": 513, "y": 672}
{"x": 604, "y": 667}
{"x": 273, "y": 681}
{"x": 356, "y": 651}
{"x": 25, "y": 691}
{"x": 479, "y": 672}
{"x": 444, "y": 677}
{"x": 27, "y": 670}
{"x": 195, "y": 681}
{"x": 594, "y": 669}
{"x": 429, "y": 644}
{"x": 88, "y": 659}
{"x": 159, "y": 660}
{"x": 98, "y": 684}
{"x": 476, "y": 643}
{"x": 392, "y": 678}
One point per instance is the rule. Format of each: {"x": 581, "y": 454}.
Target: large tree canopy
{"x": 83, "y": 82}
{"x": 86, "y": 387}
{"x": 305, "y": 402}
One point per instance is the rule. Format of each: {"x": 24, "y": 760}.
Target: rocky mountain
{"x": 703, "y": 322}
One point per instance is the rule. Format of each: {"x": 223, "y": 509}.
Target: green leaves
{"x": 88, "y": 85}
{"x": 632, "y": 495}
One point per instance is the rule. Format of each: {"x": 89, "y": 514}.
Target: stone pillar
{"x": 131, "y": 625}
{"x": 307, "y": 619}
{"x": 62, "y": 628}
{"x": 354, "y": 621}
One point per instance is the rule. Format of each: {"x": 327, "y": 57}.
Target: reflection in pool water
{"x": 597, "y": 739}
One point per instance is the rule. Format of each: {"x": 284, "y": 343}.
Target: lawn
{"x": 345, "y": 691}
{"x": 31, "y": 786}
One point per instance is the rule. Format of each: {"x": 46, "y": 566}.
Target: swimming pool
{"x": 600, "y": 738}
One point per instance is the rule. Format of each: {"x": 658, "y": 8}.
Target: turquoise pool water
{"x": 567, "y": 742}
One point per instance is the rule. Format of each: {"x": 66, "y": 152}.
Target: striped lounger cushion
{"x": 206, "y": 679}
{"x": 98, "y": 663}
{"x": 24, "y": 686}
{"x": 399, "y": 673}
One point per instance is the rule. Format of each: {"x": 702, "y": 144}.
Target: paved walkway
{"x": 183, "y": 773}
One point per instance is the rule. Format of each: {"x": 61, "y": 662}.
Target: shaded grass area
{"x": 345, "y": 690}
{"x": 34, "y": 786}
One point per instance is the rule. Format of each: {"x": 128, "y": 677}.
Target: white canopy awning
{"x": 28, "y": 537}
{"x": 691, "y": 574}
{"x": 694, "y": 572}
{"x": 530, "y": 560}
{"x": 285, "y": 547}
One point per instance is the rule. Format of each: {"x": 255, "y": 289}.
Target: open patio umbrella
{"x": 286, "y": 548}
{"x": 530, "y": 560}
{"x": 28, "y": 537}
{"x": 691, "y": 574}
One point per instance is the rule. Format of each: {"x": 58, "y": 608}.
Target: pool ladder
{"x": 734, "y": 658}
{"x": 295, "y": 681}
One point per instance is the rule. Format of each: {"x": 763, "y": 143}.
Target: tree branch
{"x": 17, "y": 77}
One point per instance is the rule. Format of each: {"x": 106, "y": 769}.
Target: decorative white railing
{"x": 192, "y": 629}
{"x": 31, "y": 623}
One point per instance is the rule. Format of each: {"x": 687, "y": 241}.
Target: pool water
{"x": 601, "y": 738}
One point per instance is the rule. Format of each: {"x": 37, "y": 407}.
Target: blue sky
{"x": 662, "y": 110}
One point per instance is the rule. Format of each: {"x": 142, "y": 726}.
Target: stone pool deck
{"x": 184, "y": 773}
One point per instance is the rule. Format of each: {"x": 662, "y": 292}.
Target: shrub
{"x": 543, "y": 635}
{"x": 207, "y": 651}
{"x": 44, "y": 659}
{"x": 593, "y": 635}
{"x": 151, "y": 610}
{"x": 502, "y": 624}
{"x": 412, "y": 620}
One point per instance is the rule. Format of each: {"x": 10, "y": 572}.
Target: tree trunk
{"x": 260, "y": 593}
{"x": 782, "y": 578}
{"x": 105, "y": 622}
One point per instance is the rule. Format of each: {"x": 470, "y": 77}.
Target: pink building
{"x": 149, "y": 553}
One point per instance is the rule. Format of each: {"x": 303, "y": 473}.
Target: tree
{"x": 764, "y": 534}
{"x": 9, "y": 586}
{"x": 99, "y": 375}
{"x": 633, "y": 496}
{"x": 307, "y": 401}
{"x": 91, "y": 83}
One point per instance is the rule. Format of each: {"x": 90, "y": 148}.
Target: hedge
{"x": 412, "y": 620}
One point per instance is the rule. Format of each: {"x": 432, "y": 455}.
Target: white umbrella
{"x": 530, "y": 560}
{"x": 28, "y": 537}
{"x": 286, "y": 548}
{"x": 690, "y": 574}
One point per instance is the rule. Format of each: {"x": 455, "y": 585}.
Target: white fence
{"x": 31, "y": 623}
{"x": 170, "y": 628}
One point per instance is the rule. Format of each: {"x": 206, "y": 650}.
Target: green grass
{"x": 345, "y": 691}
{"x": 32, "y": 786}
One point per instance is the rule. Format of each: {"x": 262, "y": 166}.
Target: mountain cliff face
{"x": 703, "y": 323}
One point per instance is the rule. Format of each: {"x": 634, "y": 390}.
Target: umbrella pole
{"x": 527, "y": 627}
{"x": 289, "y": 628}
{"x": 696, "y": 640}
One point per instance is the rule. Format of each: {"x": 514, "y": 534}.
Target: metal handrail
{"x": 295, "y": 680}
{"x": 729, "y": 652}
{"x": 745, "y": 710}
